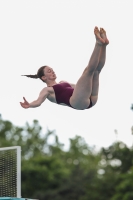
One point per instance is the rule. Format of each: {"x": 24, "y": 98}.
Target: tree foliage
{"x": 80, "y": 173}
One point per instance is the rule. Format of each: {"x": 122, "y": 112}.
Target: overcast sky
{"x": 59, "y": 33}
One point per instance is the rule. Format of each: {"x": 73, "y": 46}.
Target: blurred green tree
{"x": 80, "y": 173}
{"x": 124, "y": 187}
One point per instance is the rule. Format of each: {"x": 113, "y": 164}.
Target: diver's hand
{"x": 25, "y": 104}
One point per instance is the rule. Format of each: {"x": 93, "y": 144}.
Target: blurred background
{"x": 79, "y": 173}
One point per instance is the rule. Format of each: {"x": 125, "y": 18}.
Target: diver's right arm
{"x": 42, "y": 96}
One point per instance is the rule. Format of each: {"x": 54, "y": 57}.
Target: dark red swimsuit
{"x": 63, "y": 92}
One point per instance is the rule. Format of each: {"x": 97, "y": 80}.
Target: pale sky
{"x": 59, "y": 33}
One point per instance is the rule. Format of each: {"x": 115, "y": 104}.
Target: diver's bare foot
{"x": 104, "y": 36}
{"x": 99, "y": 39}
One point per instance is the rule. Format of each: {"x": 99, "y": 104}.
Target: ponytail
{"x": 39, "y": 74}
{"x": 31, "y": 76}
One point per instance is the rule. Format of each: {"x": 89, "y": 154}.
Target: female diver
{"x": 82, "y": 95}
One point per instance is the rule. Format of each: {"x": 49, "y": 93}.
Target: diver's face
{"x": 49, "y": 73}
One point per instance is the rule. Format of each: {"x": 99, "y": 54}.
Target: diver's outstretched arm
{"x": 42, "y": 96}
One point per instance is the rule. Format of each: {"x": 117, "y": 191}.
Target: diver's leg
{"x": 95, "y": 81}
{"x": 83, "y": 89}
